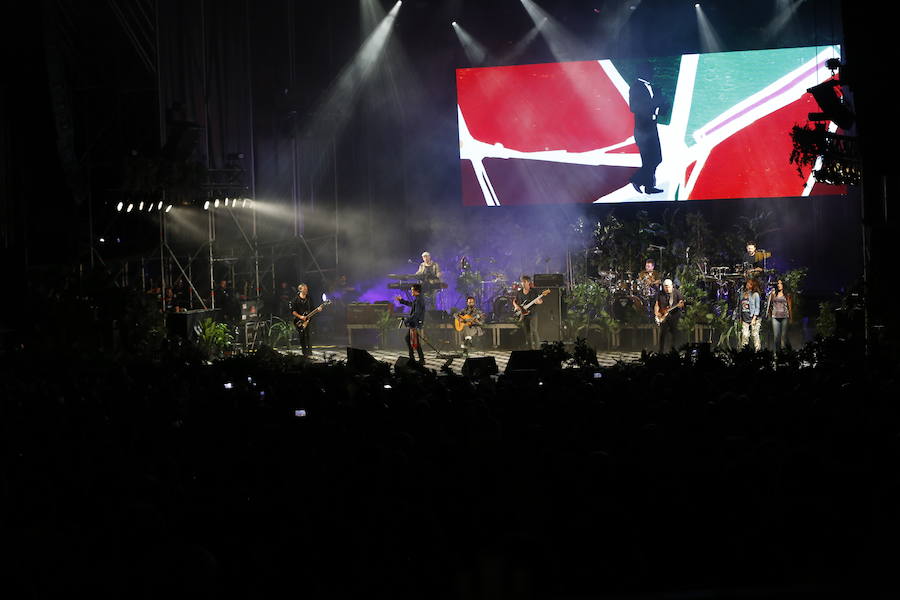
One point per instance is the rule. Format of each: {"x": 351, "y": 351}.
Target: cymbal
{"x": 761, "y": 254}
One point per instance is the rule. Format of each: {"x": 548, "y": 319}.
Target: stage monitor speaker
{"x": 404, "y": 365}
{"x": 525, "y": 361}
{"x": 184, "y": 324}
{"x": 360, "y": 361}
{"x": 481, "y": 366}
{"x": 550, "y": 315}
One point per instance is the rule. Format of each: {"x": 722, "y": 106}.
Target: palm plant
{"x": 214, "y": 337}
{"x": 280, "y": 332}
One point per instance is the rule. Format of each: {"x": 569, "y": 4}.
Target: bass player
{"x": 528, "y": 295}
{"x": 301, "y": 306}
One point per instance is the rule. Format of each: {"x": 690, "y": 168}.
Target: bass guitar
{"x": 523, "y": 311}
{"x": 666, "y": 311}
{"x": 302, "y": 324}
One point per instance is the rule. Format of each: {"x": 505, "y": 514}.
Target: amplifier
{"x": 183, "y": 324}
{"x": 542, "y": 280}
{"x": 249, "y": 310}
{"x": 359, "y": 313}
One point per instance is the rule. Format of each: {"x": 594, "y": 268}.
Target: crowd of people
{"x": 242, "y": 478}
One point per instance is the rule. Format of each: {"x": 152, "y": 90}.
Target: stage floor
{"x": 323, "y": 353}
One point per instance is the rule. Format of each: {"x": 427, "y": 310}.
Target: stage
{"x": 328, "y": 353}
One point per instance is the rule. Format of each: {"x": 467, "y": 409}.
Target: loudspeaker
{"x": 404, "y": 365}
{"x": 550, "y": 315}
{"x": 481, "y": 366}
{"x": 833, "y": 109}
{"x": 525, "y": 361}
{"x": 182, "y": 324}
{"x": 360, "y": 361}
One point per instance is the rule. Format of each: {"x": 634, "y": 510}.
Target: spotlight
{"x": 697, "y": 5}
{"x": 141, "y": 205}
{"x": 150, "y": 207}
{"x": 169, "y": 208}
{"x": 130, "y": 206}
{"x": 159, "y": 206}
{"x": 102, "y": 240}
{"x": 226, "y": 200}
{"x": 119, "y": 206}
{"x": 206, "y": 205}
{"x": 244, "y": 203}
{"x": 453, "y": 24}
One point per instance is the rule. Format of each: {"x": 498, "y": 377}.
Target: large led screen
{"x": 713, "y": 126}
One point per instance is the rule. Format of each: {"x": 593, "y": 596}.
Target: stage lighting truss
{"x": 217, "y": 199}
{"x": 221, "y": 201}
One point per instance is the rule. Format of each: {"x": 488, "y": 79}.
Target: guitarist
{"x": 471, "y": 319}
{"x": 529, "y": 321}
{"x": 667, "y": 308}
{"x": 301, "y": 306}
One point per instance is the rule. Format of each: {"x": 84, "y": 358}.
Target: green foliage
{"x": 214, "y": 337}
{"x": 589, "y": 309}
{"x": 280, "y": 332}
{"x": 555, "y": 353}
{"x": 697, "y": 311}
{"x": 826, "y": 324}
{"x": 793, "y": 282}
{"x": 623, "y": 244}
{"x": 755, "y": 227}
{"x": 583, "y": 356}
{"x": 386, "y": 321}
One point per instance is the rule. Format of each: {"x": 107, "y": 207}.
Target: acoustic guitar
{"x": 463, "y": 321}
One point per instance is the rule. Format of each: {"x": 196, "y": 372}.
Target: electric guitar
{"x": 665, "y": 311}
{"x": 463, "y": 321}
{"x": 523, "y": 311}
{"x": 302, "y": 324}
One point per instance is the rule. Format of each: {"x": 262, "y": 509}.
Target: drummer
{"x": 648, "y": 282}
{"x": 649, "y": 279}
{"x": 754, "y": 259}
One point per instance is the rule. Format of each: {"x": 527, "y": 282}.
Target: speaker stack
{"x": 552, "y": 311}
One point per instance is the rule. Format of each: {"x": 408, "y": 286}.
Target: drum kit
{"x": 726, "y": 282}
{"x": 498, "y": 294}
{"x": 630, "y": 294}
